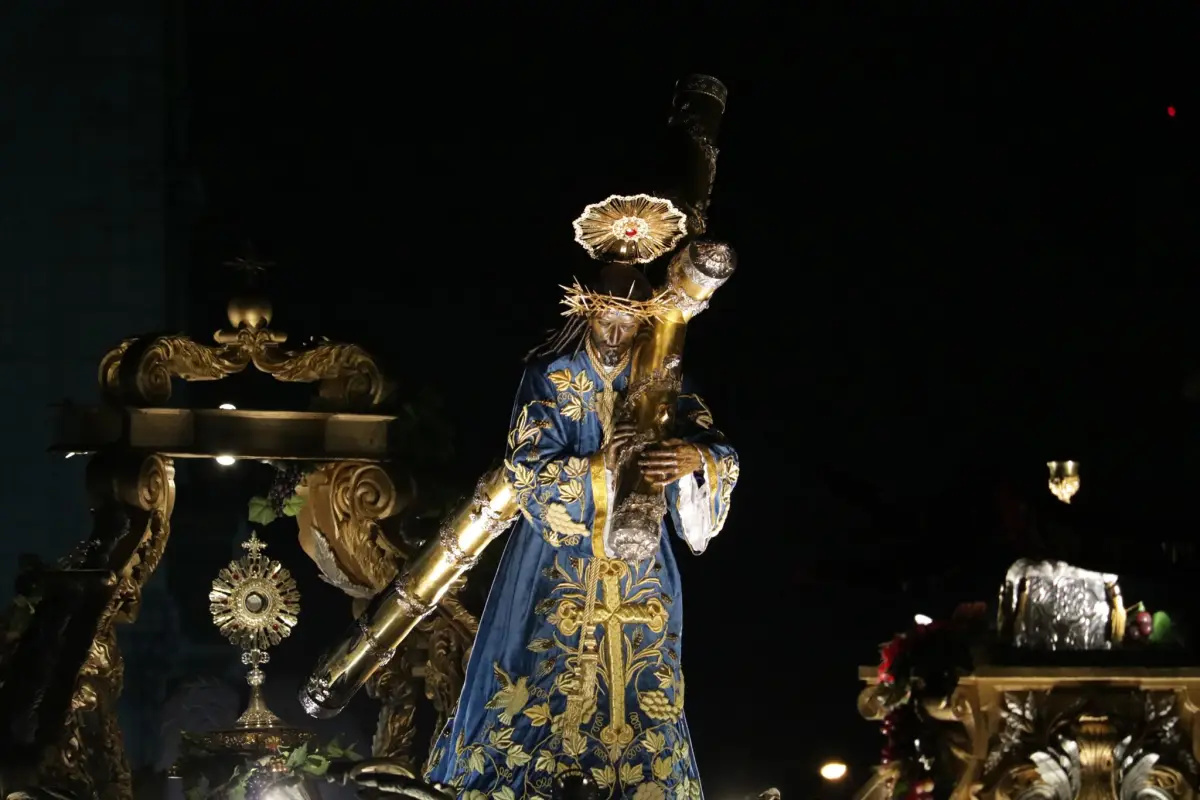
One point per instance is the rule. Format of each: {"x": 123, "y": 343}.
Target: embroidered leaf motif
{"x": 545, "y": 762}
{"x": 538, "y": 715}
{"x": 571, "y": 491}
{"x": 545, "y": 605}
{"x": 665, "y": 676}
{"x": 637, "y": 638}
{"x": 654, "y": 742}
{"x": 560, "y": 379}
{"x": 574, "y": 743}
{"x": 474, "y": 794}
{"x": 522, "y": 475}
{"x": 573, "y": 408}
{"x": 541, "y": 645}
{"x": 604, "y": 778}
{"x": 475, "y": 761}
{"x": 516, "y": 757}
{"x": 576, "y": 467}
{"x": 682, "y": 752}
{"x": 661, "y": 767}
{"x": 546, "y": 667}
{"x": 549, "y": 474}
{"x": 501, "y": 739}
{"x": 582, "y": 383}
{"x": 632, "y": 774}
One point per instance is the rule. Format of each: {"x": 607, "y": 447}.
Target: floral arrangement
{"x": 921, "y": 663}
{"x": 287, "y": 767}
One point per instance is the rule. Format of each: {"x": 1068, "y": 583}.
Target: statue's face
{"x": 612, "y": 334}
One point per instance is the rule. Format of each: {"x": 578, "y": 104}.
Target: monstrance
{"x": 255, "y": 604}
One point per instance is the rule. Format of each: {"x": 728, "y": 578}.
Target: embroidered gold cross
{"x": 613, "y": 613}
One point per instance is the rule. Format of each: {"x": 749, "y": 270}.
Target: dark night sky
{"x": 962, "y": 241}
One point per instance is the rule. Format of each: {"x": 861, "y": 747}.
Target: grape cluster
{"x": 288, "y": 475}
{"x": 1139, "y": 627}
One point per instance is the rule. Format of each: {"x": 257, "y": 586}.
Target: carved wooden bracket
{"x": 340, "y": 523}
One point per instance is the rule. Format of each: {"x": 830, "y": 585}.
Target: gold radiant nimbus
{"x": 630, "y": 229}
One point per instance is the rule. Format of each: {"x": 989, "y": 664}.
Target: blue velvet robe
{"x": 511, "y": 733}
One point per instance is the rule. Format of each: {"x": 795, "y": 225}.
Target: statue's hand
{"x": 622, "y": 435}
{"x": 670, "y": 460}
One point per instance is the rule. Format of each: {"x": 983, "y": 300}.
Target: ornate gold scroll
{"x": 345, "y": 503}
{"x": 139, "y": 371}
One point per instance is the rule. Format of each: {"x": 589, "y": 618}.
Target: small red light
{"x": 1170, "y": 111}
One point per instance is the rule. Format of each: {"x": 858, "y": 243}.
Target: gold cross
{"x": 254, "y": 545}
{"x": 613, "y": 613}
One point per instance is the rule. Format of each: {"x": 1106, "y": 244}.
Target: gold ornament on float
{"x": 1064, "y": 479}
{"x": 254, "y": 601}
{"x": 630, "y": 229}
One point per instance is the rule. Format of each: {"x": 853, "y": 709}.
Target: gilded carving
{"x": 140, "y": 371}
{"x": 80, "y": 742}
{"x": 344, "y": 504}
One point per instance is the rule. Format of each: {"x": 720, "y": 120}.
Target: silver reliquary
{"x": 1051, "y": 605}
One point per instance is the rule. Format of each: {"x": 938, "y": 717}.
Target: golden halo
{"x": 630, "y": 229}
{"x": 254, "y": 602}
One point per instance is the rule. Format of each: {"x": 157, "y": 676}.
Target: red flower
{"x": 888, "y": 654}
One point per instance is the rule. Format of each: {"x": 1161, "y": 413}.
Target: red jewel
{"x": 631, "y": 231}
{"x": 276, "y": 627}
{"x": 237, "y": 577}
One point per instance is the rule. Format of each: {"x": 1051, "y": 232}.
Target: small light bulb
{"x": 226, "y": 461}
{"x": 68, "y": 455}
{"x": 922, "y": 619}
{"x": 833, "y": 771}
{"x": 227, "y": 407}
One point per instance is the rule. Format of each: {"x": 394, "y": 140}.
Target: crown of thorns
{"x": 583, "y": 302}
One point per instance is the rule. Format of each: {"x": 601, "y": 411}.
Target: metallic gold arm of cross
{"x": 694, "y": 275}
{"x": 393, "y": 614}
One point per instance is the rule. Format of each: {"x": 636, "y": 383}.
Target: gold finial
{"x": 1064, "y": 479}
{"x": 255, "y": 604}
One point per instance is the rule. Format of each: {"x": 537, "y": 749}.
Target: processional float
{"x": 625, "y": 229}
{"x": 61, "y": 671}
{"x": 1067, "y": 693}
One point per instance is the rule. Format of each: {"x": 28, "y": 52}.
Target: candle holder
{"x": 1064, "y": 479}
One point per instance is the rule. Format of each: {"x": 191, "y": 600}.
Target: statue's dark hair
{"x": 613, "y": 280}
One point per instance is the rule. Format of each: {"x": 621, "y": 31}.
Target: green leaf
{"x": 297, "y": 757}
{"x": 316, "y": 765}
{"x": 334, "y": 749}
{"x": 292, "y": 506}
{"x": 1162, "y": 627}
{"x": 349, "y": 754}
{"x": 261, "y": 512}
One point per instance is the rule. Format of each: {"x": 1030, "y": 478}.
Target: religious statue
{"x": 573, "y": 688}
{"x": 562, "y": 594}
